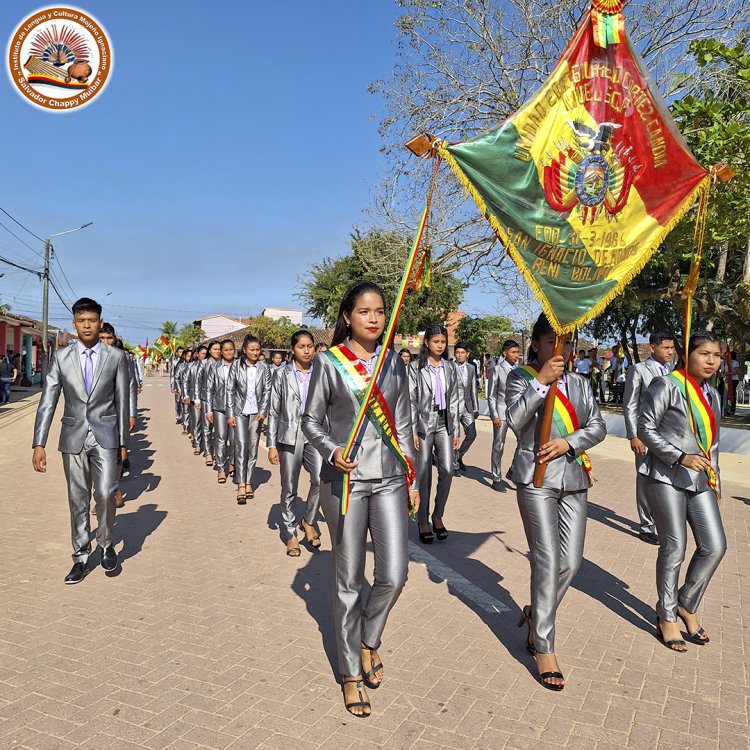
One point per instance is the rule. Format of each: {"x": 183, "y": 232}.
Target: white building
{"x": 216, "y": 325}
{"x": 275, "y": 313}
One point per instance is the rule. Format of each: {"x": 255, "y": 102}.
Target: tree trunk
{"x": 746, "y": 271}
{"x": 721, "y": 268}
{"x": 636, "y": 355}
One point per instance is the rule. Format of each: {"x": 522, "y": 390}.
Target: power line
{"x": 21, "y": 225}
{"x": 59, "y": 265}
{"x": 23, "y": 268}
{"x": 59, "y": 296}
{"x": 23, "y": 242}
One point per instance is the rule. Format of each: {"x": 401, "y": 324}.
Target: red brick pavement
{"x": 210, "y": 637}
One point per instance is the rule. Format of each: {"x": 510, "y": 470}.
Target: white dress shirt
{"x": 251, "y": 400}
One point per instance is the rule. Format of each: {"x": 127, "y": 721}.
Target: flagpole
{"x": 549, "y": 410}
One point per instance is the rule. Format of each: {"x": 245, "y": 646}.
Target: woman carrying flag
{"x": 554, "y": 515}
{"x": 369, "y": 492}
{"x": 679, "y": 423}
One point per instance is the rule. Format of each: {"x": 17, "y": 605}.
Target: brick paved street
{"x": 208, "y": 636}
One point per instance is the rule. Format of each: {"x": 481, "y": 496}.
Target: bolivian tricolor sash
{"x": 356, "y": 377}
{"x": 701, "y": 417}
{"x": 565, "y": 417}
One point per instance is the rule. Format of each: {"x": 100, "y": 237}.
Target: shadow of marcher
{"x": 132, "y": 529}
{"x": 614, "y": 594}
{"x": 314, "y": 585}
{"x": 260, "y": 477}
{"x": 138, "y": 480}
{"x": 609, "y": 518}
{"x": 745, "y": 500}
{"x": 456, "y": 555}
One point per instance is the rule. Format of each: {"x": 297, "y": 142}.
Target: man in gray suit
{"x": 638, "y": 379}
{"x": 496, "y": 404}
{"x": 467, "y": 388}
{"x": 95, "y": 379}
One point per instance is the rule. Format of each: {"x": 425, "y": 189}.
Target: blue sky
{"x": 235, "y": 144}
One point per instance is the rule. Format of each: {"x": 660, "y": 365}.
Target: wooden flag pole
{"x": 549, "y": 410}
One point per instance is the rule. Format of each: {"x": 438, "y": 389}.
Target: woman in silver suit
{"x": 248, "y": 394}
{"x": 287, "y": 445}
{"x": 216, "y": 410}
{"x": 213, "y": 357}
{"x": 436, "y": 415}
{"x": 682, "y": 485}
{"x": 181, "y": 385}
{"x": 193, "y": 387}
{"x": 379, "y": 491}
{"x": 554, "y": 515}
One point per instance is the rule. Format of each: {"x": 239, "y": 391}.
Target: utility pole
{"x": 45, "y": 310}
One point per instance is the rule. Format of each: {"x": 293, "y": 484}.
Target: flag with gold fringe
{"x": 584, "y": 182}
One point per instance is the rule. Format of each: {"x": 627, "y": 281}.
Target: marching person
{"x": 638, "y": 378}
{"x": 95, "y": 380}
{"x": 287, "y": 445}
{"x": 678, "y": 422}
{"x": 554, "y": 515}
{"x": 378, "y": 484}
{"x": 181, "y": 386}
{"x": 469, "y": 402}
{"x": 496, "y": 404}
{"x": 248, "y": 394}
{"x": 216, "y": 409}
{"x": 277, "y": 363}
{"x": 175, "y": 365}
{"x": 192, "y": 386}
{"x": 435, "y": 413}
{"x": 213, "y": 357}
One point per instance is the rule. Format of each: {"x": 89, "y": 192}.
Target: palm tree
{"x": 169, "y": 329}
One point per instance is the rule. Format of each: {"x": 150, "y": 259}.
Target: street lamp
{"x": 45, "y": 296}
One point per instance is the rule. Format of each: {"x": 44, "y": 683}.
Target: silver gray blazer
{"x": 468, "y": 396}
{"x": 420, "y": 388}
{"x": 216, "y": 388}
{"x": 200, "y": 391}
{"x": 284, "y": 409}
{"x": 664, "y": 429}
{"x": 638, "y": 378}
{"x": 106, "y": 410}
{"x": 524, "y": 407}
{"x": 496, "y": 389}
{"x": 332, "y": 408}
{"x": 180, "y": 379}
{"x": 237, "y": 388}
{"x": 190, "y": 379}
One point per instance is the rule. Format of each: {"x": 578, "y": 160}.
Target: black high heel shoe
{"x": 699, "y": 637}
{"x": 426, "y": 537}
{"x": 672, "y": 642}
{"x": 441, "y": 533}
{"x": 526, "y": 618}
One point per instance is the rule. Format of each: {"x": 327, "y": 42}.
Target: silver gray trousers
{"x": 292, "y": 459}
{"x": 673, "y": 509}
{"x": 246, "y": 442}
{"x": 470, "y": 435}
{"x": 185, "y": 411}
{"x": 380, "y": 507}
{"x": 207, "y": 430}
{"x": 498, "y": 446}
{"x": 555, "y": 526}
{"x": 438, "y": 440}
{"x": 222, "y": 441}
{"x": 196, "y": 426}
{"x": 645, "y": 517}
{"x": 94, "y": 468}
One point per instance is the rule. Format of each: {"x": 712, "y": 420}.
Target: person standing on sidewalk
{"x": 287, "y": 445}
{"x": 679, "y": 424}
{"x": 380, "y": 470}
{"x": 7, "y": 377}
{"x": 95, "y": 380}
{"x": 553, "y": 515}
{"x": 469, "y": 403}
{"x": 638, "y": 379}
{"x": 496, "y": 404}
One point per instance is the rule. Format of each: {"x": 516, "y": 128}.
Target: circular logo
{"x": 60, "y": 58}
{"x": 592, "y": 180}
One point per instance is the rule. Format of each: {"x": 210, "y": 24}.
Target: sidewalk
{"x": 210, "y": 637}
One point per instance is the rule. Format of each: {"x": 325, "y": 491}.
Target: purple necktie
{"x": 88, "y": 370}
{"x": 439, "y": 387}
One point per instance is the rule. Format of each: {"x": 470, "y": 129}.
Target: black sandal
{"x": 310, "y": 539}
{"x": 361, "y": 703}
{"x": 426, "y": 537}
{"x": 372, "y": 672}
{"x": 672, "y": 642}
{"x": 526, "y": 618}
{"x": 441, "y": 533}
{"x": 700, "y": 637}
{"x": 293, "y": 551}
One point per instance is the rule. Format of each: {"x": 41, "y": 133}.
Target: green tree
{"x": 169, "y": 329}
{"x": 273, "y": 334}
{"x": 482, "y": 335}
{"x": 380, "y": 256}
{"x": 189, "y": 335}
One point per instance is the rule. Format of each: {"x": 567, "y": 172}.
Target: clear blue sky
{"x": 235, "y": 144}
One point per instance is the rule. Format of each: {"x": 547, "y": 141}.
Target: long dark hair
{"x": 297, "y": 335}
{"x": 431, "y": 332}
{"x": 696, "y": 339}
{"x": 353, "y": 293}
{"x": 541, "y": 327}
{"x": 249, "y": 339}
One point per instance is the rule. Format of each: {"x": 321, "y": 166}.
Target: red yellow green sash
{"x": 701, "y": 416}
{"x": 564, "y": 416}
{"x": 357, "y": 378}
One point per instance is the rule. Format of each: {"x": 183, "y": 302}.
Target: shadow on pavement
{"x": 138, "y": 479}
{"x": 609, "y": 518}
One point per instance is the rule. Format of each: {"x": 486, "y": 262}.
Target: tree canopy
{"x": 483, "y": 335}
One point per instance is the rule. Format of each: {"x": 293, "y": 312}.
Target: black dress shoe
{"x": 649, "y": 537}
{"x": 499, "y": 487}
{"x": 109, "y": 558}
{"x": 461, "y": 465}
{"x": 77, "y": 573}
{"x": 126, "y": 464}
